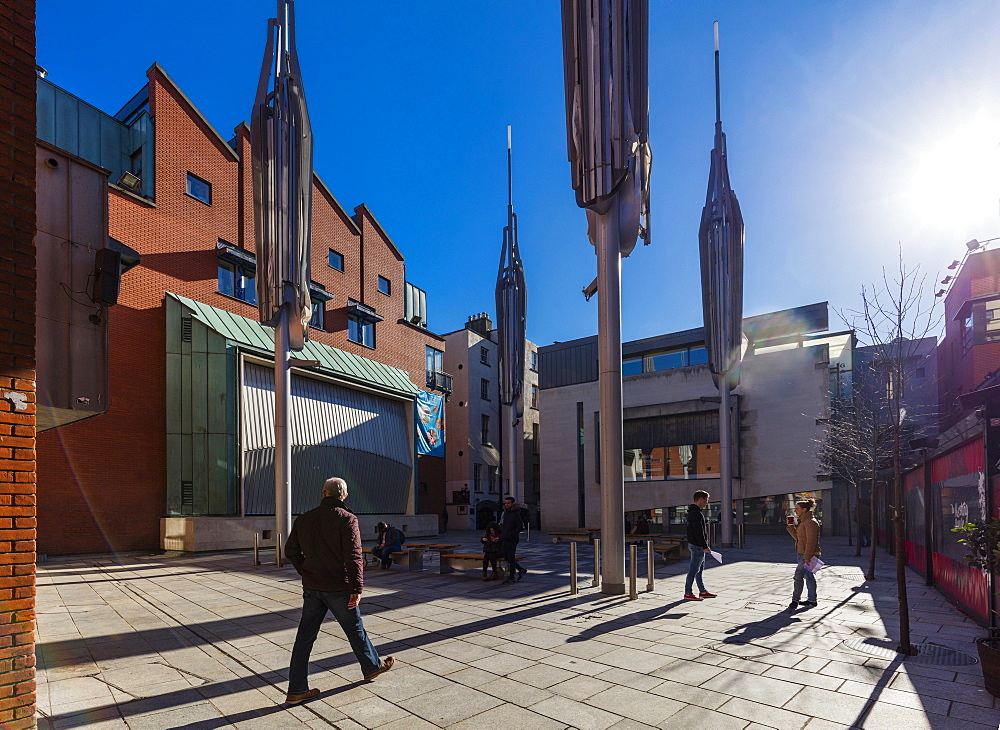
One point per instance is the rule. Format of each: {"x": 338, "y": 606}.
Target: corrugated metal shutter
{"x": 336, "y": 431}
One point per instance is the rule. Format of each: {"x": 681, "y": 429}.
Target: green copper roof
{"x": 342, "y": 365}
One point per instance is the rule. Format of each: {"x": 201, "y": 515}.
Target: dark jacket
{"x": 697, "y": 527}
{"x": 510, "y": 528}
{"x": 325, "y": 548}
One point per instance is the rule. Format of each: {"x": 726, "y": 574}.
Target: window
{"x": 199, "y": 189}
{"x": 534, "y": 396}
{"x": 632, "y": 367}
{"x": 238, "y": 282}
{"x": 484, "y": 389}
{"x": 484, "y": 431}
{"x": 484, "y": 356}
{"x": 535, "y": 438}
{"x": 698, "y": 356}
{"x": 670, "y": 360}
{"x": 384, "y": 285}
{"x": 967, "y": 334}
{"x": 318, "y": 319}
{"x": 361, "y": 331}
{"x": 477, "y": 479}
{"x": 920, "y": 372}
{"x": 435, "y": 362}
{"x": 491, "y": 485}
{"x": 534, "y": 360}
{"x": 335, "y": 260}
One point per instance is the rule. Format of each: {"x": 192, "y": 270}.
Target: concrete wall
{"x": 782, "y": 394}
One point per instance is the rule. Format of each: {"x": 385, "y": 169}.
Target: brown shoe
{"x": 386, "y": 666}
{"x": 300, "y": 697}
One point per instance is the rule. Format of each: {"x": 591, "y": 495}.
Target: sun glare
{"x": 956, "y": 180}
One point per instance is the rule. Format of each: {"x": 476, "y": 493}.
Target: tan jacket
{"x": 806, "y": 537}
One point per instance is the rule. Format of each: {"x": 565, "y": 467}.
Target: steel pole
{"x": 633, "y": 592}
{"x": 282, "y": 428}
{"x": 725, "y": 463}
{"x": 573, "y": 587}
{"x": 609, "y": 344}
{"x": 650, "y": 566}
{"x": 597, "y": 563}
{"x": 513, "y": 440}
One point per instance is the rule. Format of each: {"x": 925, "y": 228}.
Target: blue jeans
{"x": 802, "y": 573}
{"x": 696, "y": 569}
{"x": 315, "y": 604}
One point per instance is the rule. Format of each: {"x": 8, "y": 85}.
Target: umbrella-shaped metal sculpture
{"x": 720, "y": 241}
{"x": 605, "y": 59}
{"x": 281, "y": 147}
{"x": 512, "y": 308}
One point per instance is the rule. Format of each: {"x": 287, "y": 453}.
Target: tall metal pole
{"x": 726, "y": 466}
{"x": 609, "y": 363}
{"x": 282, "y": 434}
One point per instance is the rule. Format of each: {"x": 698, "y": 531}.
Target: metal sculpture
{"x": 605, "y": 60}
{"x": 512, "y": 307}
{"x": 281, "y": 148}
{"x": 720, "y": 241}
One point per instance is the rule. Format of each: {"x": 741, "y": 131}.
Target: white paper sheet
{"x": 717, "y": 556}
{"x": 814, "y": 564}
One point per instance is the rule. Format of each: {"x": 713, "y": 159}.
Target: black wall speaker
{"x": 107, "y": 277}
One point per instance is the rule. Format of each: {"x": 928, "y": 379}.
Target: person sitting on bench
{"x": 390, "y": 540}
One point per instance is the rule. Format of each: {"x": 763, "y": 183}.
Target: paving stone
{"x": 638, "y": 705}
{"x": 450, "y": 704}
{"x": 580, "y": 688}
{"x": 541, "y": 676}
{"x": 775, "y": 692}
{"x": 576, "y": 714}
{"x": 828, "y": 705}
{"x": 508, "y": 717}
{"x": 373, "y": 712}
{"x": 698, "y": 717}
{"x": 812, "y": 679}
{"x": 764, "y": 714}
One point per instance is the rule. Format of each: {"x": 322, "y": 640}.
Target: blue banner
{"x": 430, "y": 423}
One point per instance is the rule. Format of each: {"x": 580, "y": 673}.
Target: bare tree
{"x": 896, "y": 315}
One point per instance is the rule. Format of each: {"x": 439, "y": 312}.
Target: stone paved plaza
{"x": 154, "y": 641}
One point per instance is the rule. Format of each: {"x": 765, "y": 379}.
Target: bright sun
{"x": 956, "y": 179}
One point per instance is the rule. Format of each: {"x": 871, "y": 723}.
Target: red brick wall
{"x": 17, "y": 364}
{"x": 114, "y": 464}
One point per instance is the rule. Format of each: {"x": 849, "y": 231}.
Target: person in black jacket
{"x": 325, "y": 548}
{"x": 697, "y": 535}
{"x": 510, "y": 536}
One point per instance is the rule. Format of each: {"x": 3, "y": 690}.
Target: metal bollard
{"x": 650, "y": 567}
{"x": 277, "y": 550}
{"x": 597, "y": 562}
{"x": 632, "y": 593}
{"x": 256, "y": 549}
{"x": 573, "y": 588}
{"x": 741, "y": 535}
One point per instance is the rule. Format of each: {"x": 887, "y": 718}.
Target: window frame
{"x": 354, "y": 322}
{"x": 330, "y": 252}
{"x": 187, "y": 188}
{"x": 484, "y": 356}
{"x": 388, "y": 286}
{"x": 238, "y": 273}
{"x": 484, "y": 389}
{"x": 318, "y": 314}
{"x": 484, "y": 429}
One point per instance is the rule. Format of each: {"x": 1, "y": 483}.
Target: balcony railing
{"x": 437, "y": 380}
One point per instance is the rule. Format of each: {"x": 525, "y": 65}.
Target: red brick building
{"x": 970, "y": 349}
{"x": 17, "y": 364}
{"x": 190, "y": 218}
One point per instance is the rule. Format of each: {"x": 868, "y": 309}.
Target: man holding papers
{"x": 697, "y": 535}
{"x": 806, "y": 536}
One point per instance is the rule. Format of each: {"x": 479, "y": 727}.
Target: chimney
{"x": 480, "y": 324}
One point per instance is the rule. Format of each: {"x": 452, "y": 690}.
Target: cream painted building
{"x": 475, "y": 483}
{"x": 671, "y": 423}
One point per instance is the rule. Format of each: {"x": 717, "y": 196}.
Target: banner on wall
{"x": 430, "y": 424}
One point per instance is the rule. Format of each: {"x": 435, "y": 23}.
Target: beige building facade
{"x": 475, "y": 478}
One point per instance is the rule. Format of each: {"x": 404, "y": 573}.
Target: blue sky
{"x": 853, "y": 128}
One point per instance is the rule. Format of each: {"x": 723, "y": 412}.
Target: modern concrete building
{"x": 185, "y": 448}
{"x": 476, "y": 483}
{"x": 671, "y": 424}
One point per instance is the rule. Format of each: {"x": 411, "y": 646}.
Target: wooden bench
{"x": 450, "y": 562}
{"x": 409, "y": 558}
{"x": 671, "y": 549}
{"x": 558, "y": 537}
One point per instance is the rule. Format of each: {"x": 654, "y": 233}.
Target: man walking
{"x": 510, "y": 536}
{"x": 325, "y": 548}
{"x": 697, "y": 535}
